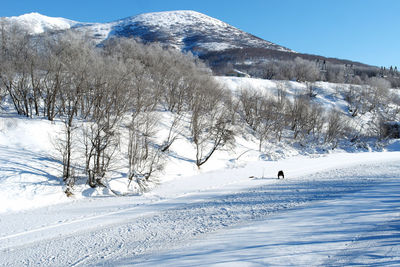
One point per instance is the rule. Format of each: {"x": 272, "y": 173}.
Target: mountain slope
{"x": 189, "y": 30}
{"x": 219, "y": 44}
{"x": 35, "y": 23}
{"x": 185, "y": 30}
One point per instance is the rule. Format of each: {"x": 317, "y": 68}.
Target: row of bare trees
{"x": 111, "y": 100}
{"x": 300, "y": 69}
{"x": 100, "y": 93}
{"x": 270, "y": 117}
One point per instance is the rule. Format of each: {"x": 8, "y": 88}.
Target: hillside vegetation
{"x": 127, "y": 109}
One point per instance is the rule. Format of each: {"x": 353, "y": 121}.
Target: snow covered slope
{"x": 188, "y": 30}
{"x": 322, "y": 210}
{"x": 323, "y": 215}
{"x": 36, "y": 23}
{"x": 30, "y": 172}
{"x": 185, "y": 30}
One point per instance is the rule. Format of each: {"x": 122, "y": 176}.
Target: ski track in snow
{"x": 357, "y": 229}
{"x": 121, "y": 232}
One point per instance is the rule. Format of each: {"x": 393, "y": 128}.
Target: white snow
{"x": 36, "y": 23}
{"x": 29, "y": 174}
{"x": 217, "y": 46}
{"x": 182, "y": 24}
{"x": 322, "y": 213}
{"x": 168, "y": 19}
{"x": 334, "y": 208}
{"x": 361, "y": 228}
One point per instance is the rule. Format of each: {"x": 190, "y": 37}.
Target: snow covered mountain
{"x": 188, "y": 30}
{"x": 35, "y": 23}
{"x": 185, "y": 30}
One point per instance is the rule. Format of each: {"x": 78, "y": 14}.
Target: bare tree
{"x": 305, "y": 70}
{"x": 336, "y": 126}
{"x": 316, "y": 119}
{"x": 267, "y": 120}
{"x": 298, "y": 114}
{"x": 54, "y": 74}
{"x": 379, "y": 91}
{"x": 250, "y": 106}
{"x": 14, "y": 72}
{"x": 335, "y": 73}
{"x": 210, "y": 121}
{"x": 311, "y": 88}
{"x": 144, "y": 156}
{"x": 71, "y": 94}
{"x": 106, "y": 105}
{"x": 354, "y": 100}
{"x": 175, "y": 129}
{"x": 281, "y": 107}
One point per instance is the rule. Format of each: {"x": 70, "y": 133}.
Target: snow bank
{"x": 30, "y": 167}
{"x": 29, "y": 173}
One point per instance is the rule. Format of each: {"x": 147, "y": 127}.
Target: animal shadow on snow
{"x": 263, "y": 178}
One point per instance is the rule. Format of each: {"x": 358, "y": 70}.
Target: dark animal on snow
{"x": 280, "y": 174}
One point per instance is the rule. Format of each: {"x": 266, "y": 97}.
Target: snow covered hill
{"x": 189, "y": 31}
{"x": 185, "y": 30}
{"x": 36, "y": 23}
{"x": 319, "y": 215}
{"x": 31, "y": 169}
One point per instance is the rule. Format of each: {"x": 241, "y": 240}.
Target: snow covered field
{"x": 333, "y": 208}
{"x": 361, "y": 228}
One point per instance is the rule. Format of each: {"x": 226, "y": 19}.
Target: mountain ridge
{"x": 187, "y": 30}
{"x": 36, "y": 23}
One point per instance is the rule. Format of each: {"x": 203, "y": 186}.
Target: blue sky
{"x": 361, "y": 30}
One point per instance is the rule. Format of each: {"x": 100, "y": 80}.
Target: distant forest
{"x": 280, "y": 65}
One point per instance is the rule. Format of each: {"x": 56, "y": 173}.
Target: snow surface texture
{"x": 356, "y": 228}
{"x": 332, "y": 209}
{"x": 343, "y": 215}
{"x": 36, "y": 23}
{"x": 183, "y": 29}
{"x": 29, "y": 174}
